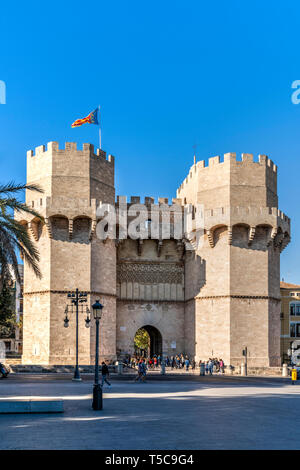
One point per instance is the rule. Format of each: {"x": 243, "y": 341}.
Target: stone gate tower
{"x": 74, "y": 182}
{"x": 232, "y": 290}
{"x": 212, "y": 299}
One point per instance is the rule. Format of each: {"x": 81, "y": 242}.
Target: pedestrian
{"x": 105, "y": 374}
{"x": 141, "y": 371}
{"x": 182, "y": 361}
{"x": 193, "y": 364}
{"x": 144, "y": 371}
{"x": 187, "y": 364}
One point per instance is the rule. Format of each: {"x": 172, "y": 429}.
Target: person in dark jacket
{"x": 105, "y": 374}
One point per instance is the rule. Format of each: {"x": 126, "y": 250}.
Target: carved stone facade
{"x": 150, "y": 273}
{"x": 206, "y": 299}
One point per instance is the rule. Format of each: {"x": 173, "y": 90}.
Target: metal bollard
{"x": 202, "y": 369}
{"x": 120, "y": 368}
{"x": 294, "y": 375}
{"x": 284, "y": 370}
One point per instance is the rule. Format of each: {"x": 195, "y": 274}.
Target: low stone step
{"x": 32, "y": 368}
{"x": 14, "y": 360}
{"x": 8, "y": 406}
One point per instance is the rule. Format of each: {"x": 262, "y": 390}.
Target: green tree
{"x": 7, "y": 311}
{"x": 14, "y": 235}
{"x": 142, "y": 339}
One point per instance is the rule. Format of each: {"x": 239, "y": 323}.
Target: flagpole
{"x": 99, "y": 129}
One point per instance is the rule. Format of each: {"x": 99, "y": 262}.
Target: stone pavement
{"x": 207, "y": 413}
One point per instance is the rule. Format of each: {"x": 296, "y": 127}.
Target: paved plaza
{"x": 188, "y": 413}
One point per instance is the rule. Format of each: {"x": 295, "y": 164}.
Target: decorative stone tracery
{"x": 150, "y": 273}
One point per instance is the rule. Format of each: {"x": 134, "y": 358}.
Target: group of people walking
{"x": 179, "y": 361}
{"x": 213, "y": 365}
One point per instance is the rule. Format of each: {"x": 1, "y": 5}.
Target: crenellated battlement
{"x": 70, "y": 172}
{"x": 148, "y": 201}
{"x": 70, "y": 147}
{"x": 247, "y": 162}
{"x": 247, "y": 158}
{"x": 263, "y": 227}
{"x": 251, "y": 216}
{"x": 242, "y": 211}
{"x": 231, "y": 182}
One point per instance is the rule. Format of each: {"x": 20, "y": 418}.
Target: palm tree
{"x": 14, "y": 235}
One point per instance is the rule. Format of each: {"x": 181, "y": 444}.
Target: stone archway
{"x": 155, "y": 340}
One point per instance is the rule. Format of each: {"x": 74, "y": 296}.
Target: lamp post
{"x": 97, "y": 390}
{"x": 162, "y": 363}
{"x": 244, "y": 364}
{"x": 76, "y": 299}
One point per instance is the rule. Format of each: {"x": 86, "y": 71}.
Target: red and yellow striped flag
{"x": 92, "y": 118}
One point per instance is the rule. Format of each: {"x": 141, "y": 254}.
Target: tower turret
{"x": 74, "y": 182}
{"x": 232, "y": 280}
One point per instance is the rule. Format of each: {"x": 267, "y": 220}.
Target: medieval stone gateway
{"x": 215, "y": 297}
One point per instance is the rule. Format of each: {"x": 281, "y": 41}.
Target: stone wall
{"x": 166, "y": 317}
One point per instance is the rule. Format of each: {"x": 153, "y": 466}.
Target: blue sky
{"x": 167, "y": 75}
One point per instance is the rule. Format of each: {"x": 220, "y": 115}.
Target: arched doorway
{"x": 148, "y": 341}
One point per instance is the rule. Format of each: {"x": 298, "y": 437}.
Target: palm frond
{"x": 12, "y": 187}
{"x": 13, "y": 235}
{"x": 17, "y": 206}
{"x": 8, "y": 255}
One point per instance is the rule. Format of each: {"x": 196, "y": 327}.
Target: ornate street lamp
{"x": 97, "y": 390}
{"x": 66, "y": 320}
{"x": 76, "y": 299}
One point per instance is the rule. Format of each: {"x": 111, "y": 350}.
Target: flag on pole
{"x": 92, "y": 118}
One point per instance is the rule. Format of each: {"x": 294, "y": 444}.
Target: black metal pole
{"x": 97, "y": 354}
{"x": 76, "y": 373}
{"x": 97, "y": 390}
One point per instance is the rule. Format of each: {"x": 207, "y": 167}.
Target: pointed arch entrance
{"x": 148, "y": 341}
